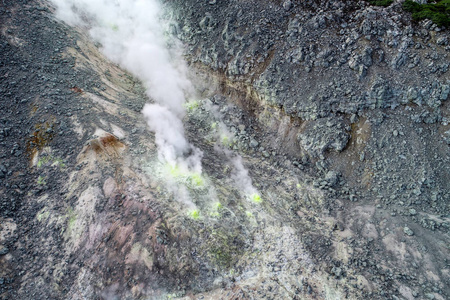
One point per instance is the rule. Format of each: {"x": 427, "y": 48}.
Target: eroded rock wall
{"x": 314, "y": 59}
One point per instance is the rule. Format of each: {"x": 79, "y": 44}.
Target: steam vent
{"x": 224, "y": 149}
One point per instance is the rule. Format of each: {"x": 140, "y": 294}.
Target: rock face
{"x": 319, "y": 59}
{"x": 340, "y": 113}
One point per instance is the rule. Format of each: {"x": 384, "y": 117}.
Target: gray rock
{"x": 399, "y": 60}
{"x": 3, "y": 171}
{"x": 430, "y": 296}
{"x": 337, "y": 272}
{"x": 446, "y": 137}
{"x": 443, "y": 40}
{"x": 380, "y": 95}
{"x": 445, "y": 90}
{"x": 287, "y": 5}
{"x": 408, "y": 231}
{"x": 4, "y": 251}
{"x": 332, "y": 178}
{"x": 253, "y": 143}
{"x": 324, "y": 134}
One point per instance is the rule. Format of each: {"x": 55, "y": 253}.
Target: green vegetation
{"x": 41, "y": 180}
{"x": 42, "y": 161}
{"x": 384, "y": 3}
{"x": 53, "y": 161}
{"x": 224, "y": 247}
{"x": 43, "y": 215}
{"x": 59, "y": 163}
{"x": 71, "y": 219}
{"x": 438, "y": 11}
{"x": 222, "y": 256}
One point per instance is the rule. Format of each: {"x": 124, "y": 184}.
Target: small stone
{"x": 408, "y": 231}
{"x": 254, "y": 143}
{"x": 361, "y": 156}
{"x": 331, "y": 178}
{"x": 443, "y": 41}
{"x": 337, "y": 272}
{"x": 287, "y": 5}
{"x": 4, "y": 251}
{"x": 430, "y": 296}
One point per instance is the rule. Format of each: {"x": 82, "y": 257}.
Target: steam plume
{"x": 131, "y": 33}
{"x": 239, "y": 174}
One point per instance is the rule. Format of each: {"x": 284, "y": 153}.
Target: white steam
{"x": 239, "y": 173}
{"x": 131, "y": 34}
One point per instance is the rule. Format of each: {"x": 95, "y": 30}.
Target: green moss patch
{"x": 71, "y": 219}
{"x": 46, "y": 160}
{"x": 43, "y": 215}
{"x": 384, "y": 3}
{"x": 224, "y": 247}
{"x": 438, "y": 11}
{"x": 41, "y": 180}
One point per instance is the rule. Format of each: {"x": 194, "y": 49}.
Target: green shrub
{"x": 384, "y": 3}
{"x": 438, "y": 12}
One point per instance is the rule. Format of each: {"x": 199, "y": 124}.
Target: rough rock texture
{"x": 342, "y": 87}
{"x": 339, "y": 110}
{"x": 317, "y": 59}
{"x": 367, "y": 68}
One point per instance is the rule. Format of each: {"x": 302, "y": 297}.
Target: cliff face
{"x": 351, "y": 77}
{"x": 338, "y": 86}
{"x": 314, "y": 59}
{"x": 337, "y": 110}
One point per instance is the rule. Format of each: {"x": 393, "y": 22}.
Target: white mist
{"x": 131, "y": 33}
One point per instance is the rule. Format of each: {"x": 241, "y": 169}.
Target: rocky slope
{"x": 339, "y": 110}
